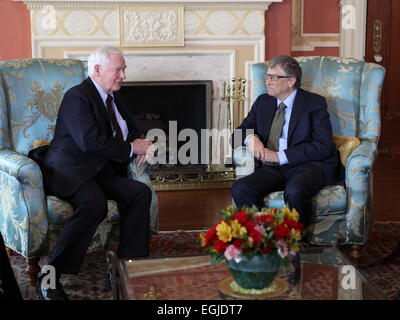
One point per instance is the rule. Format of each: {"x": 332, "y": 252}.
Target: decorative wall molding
{"x": 188, "y": 4}
{"x": 308, "y": 41}
{"x": 353, "y": 29}
{"x": 150, "y": 26}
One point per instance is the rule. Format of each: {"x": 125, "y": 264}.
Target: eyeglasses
{"x": 274, "y": 77}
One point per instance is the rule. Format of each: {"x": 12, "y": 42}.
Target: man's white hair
{"x": 101, "y": 56}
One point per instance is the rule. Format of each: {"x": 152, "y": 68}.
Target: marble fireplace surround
{"x": 162, "y": 40}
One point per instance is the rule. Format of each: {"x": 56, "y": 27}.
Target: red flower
{"x": 238, "y": 242}
{"x": 281, "y": 231}
{"x": 266, "y": 249}
{"x": 220, "y": 246}
{"x": 241, "y": 217}
{"x": 292, "y": 224}
{"x": 249, "y": 226}
{"x": 257, "y": 236}
{"x": 265, "y": 219}
{"x": 211, "y": 234}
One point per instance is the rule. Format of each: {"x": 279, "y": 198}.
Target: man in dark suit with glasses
{"x": 292, "y": 141}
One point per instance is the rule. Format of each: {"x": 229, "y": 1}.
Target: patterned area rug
{"x": 382, "y": 241}
{"x": 89, "y": 284}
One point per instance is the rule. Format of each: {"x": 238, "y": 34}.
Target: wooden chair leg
{"x": 33, "y": 269}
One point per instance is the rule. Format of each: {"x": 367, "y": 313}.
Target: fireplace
{"x": 173, "y": 106}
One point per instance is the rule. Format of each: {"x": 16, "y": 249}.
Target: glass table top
{"x": 327, "y": 274}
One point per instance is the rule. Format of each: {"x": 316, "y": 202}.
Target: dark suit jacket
{"x": 83, "y": 143}
{"x": 310, "y": 131}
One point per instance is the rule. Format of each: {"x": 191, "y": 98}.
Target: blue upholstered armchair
{"x": 31, "y": 91}
{"x": 352, "y": 90}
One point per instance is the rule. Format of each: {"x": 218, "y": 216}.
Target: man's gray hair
{"x": 101, "y": 56}
{"x": 290, "y": 66}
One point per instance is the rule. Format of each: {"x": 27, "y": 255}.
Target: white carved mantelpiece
{"x": 162, "y": 40}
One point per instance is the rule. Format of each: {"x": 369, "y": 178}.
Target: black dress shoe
{"x": 50, "y": 294}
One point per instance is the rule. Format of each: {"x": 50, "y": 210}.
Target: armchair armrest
{"x": 23, "y": 218}
{"x": 359, "y": 191}
{"x": 18, "y": 165}
{"x": 244, "y": 161}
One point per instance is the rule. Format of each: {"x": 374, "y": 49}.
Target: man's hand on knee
{"x": 269, "y": 156}
{"x": 255, "y": 147}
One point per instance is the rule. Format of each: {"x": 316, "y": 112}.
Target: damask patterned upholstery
{"x": 31, "y": 91}
{"x": 352, "y": 89}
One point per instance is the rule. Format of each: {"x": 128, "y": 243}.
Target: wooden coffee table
{"x": 326, "y": 275}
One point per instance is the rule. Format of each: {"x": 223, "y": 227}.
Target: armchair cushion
{"x": 40, "y": 143}
{"x": 345, "y": 145}
{"x": 329, "y": 200}
{"x": 59, "y": 211}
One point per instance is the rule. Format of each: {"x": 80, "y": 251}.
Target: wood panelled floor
{"x": 198, "y": 209}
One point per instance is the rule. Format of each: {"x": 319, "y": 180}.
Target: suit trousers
{"x": 299, "y": 184}
{"x": 90, "y": 209}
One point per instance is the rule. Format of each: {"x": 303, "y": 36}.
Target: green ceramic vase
{"x": 255, "y": 273}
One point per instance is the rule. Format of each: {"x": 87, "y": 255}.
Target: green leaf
{"x": 216, "y": 258}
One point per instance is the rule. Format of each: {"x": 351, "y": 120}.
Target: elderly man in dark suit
{"x": 292, "y": 140}
{"x": 86, "y": 164}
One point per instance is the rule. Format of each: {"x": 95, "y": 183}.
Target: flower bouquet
{"x": 250, "y": 239}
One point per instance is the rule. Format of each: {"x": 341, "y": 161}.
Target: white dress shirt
{"x": 121, "y": 121}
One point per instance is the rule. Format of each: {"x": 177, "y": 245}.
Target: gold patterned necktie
{"x": 276, "y": 128}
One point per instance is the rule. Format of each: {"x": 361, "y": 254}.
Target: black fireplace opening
{"x": 188, "y": 103}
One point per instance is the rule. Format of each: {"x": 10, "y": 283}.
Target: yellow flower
{"x": 228, "y": 211}
{"x": 224, "y": 232}
{"x": 237, "y": 230}
{"x": 203, "y": 239}
{"x": 295, "y": 249}
{"x": 295, "y": 235}
{"x": 291, "y": 214}
{"x": 250, "y": 242}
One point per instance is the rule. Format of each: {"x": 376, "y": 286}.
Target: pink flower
{"x": 283, "y": 250}
{"x": 260, "y": 229}
{"x": 232, "y": 252}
